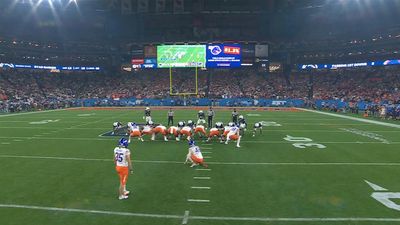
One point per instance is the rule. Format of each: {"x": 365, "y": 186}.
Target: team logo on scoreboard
{"x": 215, "y": 49}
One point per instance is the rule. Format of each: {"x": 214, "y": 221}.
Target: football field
{"x": 181, "y": 56}
{"x": 306, "y": 168}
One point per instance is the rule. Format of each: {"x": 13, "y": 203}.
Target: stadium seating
{"x": 27, "y": 90}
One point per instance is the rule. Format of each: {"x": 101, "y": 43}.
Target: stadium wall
{"x": 292, "y": 109}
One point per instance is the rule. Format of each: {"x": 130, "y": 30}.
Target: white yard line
{"x": 48, "y": 128}
{"x": 202, "y": 178}
{"x": 84, "y": 124}
{"x": 113, "y": 138}
{"x": 198, "y": 200}
{"x": 326, "y": 142}
{"x": 90, "y": 211}
{"x": 305, "y": 219}
{"x": 354, "y": 118}
{"x": 207, "y": 157}
{"x": 53, "y": 158}
{"x": 185, "y": 217}
{"x": 206, "y": 152}
{"x": 217, "y": 218}
{"x": 216, "y": 163}
{"x": 59, "y": 138}
{"x": 203, "y": 169}
{"x": 207, "y": 188}
{"x": 36, "y": 112}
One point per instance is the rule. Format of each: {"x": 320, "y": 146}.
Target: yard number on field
{"x": 270, "y": 124}
{"x": 44, "y": 121}
{"x": 303, "y": 142}
{"x": 383, "y": 196}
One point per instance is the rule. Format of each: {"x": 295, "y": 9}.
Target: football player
{"x": 134, "y": 131}
{"x": 181, "y": 124}
{"x": 123, "y": 164}
{"x": 190, "y": 123}
{"x": 219, "y": 125}
{"x": 172, "y": 130}
{"x": 160, "y": 129}
{"x": 194, "y": 155}
{"x": 116, "y": 126}
{"x": 216, "y": 131}
{"x": 257, "y": 126}
{"x": 234, "y": 134}
{"x": 148, "y": 128}
{"x": 242, "y": 121}
{"x": 186, "y": 130}
{"x": 235, "y": 115}
{"x": 201, "y": 117}
{"x": 147, "y": 115}
{"x": 242, "y": 124}
{"x": 200, "y": 130}
{"x": 226, "y": 131}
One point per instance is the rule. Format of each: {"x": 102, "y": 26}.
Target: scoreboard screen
{"x": 223, "y": 55}
{"x": 181, "y": 56}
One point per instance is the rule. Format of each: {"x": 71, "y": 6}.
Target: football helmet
{"x": 123, "y": 142}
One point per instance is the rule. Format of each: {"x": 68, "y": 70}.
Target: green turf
{"x": 181, "y": 56}
{"x": 297, "y": 183}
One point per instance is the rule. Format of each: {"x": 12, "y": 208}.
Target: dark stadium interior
{"x": 109, "y": 33}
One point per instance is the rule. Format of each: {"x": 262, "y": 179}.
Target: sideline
{"x": 354, "y": 118}
{"x": 35, "y": 112}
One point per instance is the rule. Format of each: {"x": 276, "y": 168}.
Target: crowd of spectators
{"x": 27, "y": 89}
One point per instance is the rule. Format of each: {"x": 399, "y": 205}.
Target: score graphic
{"x": 181, "y": 56}
{"x": 223, "y": 55}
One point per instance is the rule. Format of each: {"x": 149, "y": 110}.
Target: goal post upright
{"x": 185, "y": 93}
{"x": 197, "y": 83}
{"x": 170, "y": 80}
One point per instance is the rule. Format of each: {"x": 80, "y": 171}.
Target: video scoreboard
{"x": 219, "y": 55}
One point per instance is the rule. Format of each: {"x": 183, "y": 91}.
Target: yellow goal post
{"x": 171, "y": 92}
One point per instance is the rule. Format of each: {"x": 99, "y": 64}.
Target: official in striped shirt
{"x": 170, "y": 117}
{"x": 210, "y": 116}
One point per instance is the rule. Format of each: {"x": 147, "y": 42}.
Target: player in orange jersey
{"x": 172, "y": 130}
{"x": 123, "y": 164}
{"x": 160, "y": 129}
{"x": 134, "y": 131}
{"x": 200, "y": 130}
{"x": 147, "y": 129}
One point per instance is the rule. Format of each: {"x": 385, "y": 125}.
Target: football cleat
{"x": 123, "y": 197}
